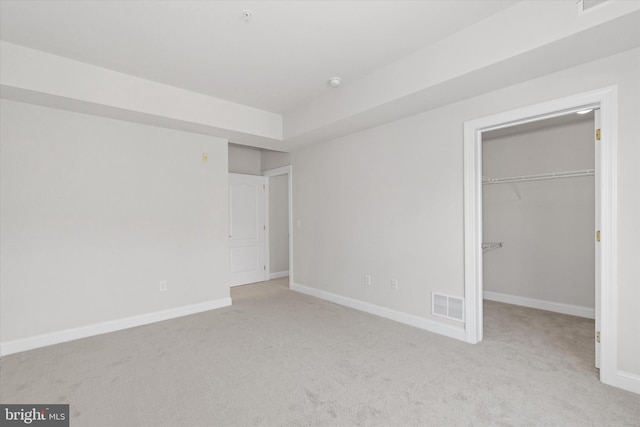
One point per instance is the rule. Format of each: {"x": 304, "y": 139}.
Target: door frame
{"x": 284, "y": 170}
{"x": 607, "y": 100}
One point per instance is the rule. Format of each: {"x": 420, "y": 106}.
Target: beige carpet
{"x": 279, "y": 358}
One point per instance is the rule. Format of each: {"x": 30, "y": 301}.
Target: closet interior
{"x": 539, "y": 213}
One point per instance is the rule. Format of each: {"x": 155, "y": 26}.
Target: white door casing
{"x": 605, "y": 181}
{"x": 247, "y": 229}
{"x": 597, "y": 258}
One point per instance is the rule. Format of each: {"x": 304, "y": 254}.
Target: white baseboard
{"x": 387, "y": 313}
{"x": 44, "y": 340}
{"x": 574, "y": 310}
{"x": 627, "y": 381}
{"x": 278, "y": 275}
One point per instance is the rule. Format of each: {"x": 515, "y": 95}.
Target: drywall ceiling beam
{"x": 69, "y": 84}
{"x": 471, "y": 62}
{"x": 584, "y": 47}
{"x": 61, "y": 103}
{"x": 522, "y": 29}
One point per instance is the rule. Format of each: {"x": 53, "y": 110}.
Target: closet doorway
{"x": 604, "y": 216}
{"x": 538, "y": 212}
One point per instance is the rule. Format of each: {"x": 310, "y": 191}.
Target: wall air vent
{"x": 588, "y": 5}
{"x": 447, "y": 306}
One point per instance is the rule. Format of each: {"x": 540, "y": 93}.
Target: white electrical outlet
{"x": 367, "y": 279}
{"x": 394, "y": 284}
{"x": 163, "y": 285}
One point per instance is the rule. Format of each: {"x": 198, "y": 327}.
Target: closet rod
{"x": 538, "y": 177}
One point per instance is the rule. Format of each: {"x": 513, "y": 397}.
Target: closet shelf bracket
{"x": 488, "y": 246}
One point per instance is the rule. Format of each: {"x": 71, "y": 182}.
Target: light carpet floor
{"x": 280, "y": 358}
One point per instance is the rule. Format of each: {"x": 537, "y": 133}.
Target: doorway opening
{"x": 260, "y": 230}
{"x": 279, "y": 247}
{"x": 539, "y": 250}
{"x": 604, "y": 177}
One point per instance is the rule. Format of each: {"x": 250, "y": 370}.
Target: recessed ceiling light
{"x": 584, "y": 111}
{"x": 335, "y": 81}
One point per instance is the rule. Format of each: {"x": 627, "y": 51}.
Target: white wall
{"x": 279, "y": 224}
{"x": 254, "y": 161}
{"x": 245, "y": 160}
{"x": 388, "y": 201}
{"x": 547, "y": 226}
{"x": 95, "y": 212}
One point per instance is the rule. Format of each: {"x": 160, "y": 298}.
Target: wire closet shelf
{"x": 538, "y": 177}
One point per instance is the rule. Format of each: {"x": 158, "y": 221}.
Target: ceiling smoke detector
{"x": 335, "y": 81}
{"x": 247, "y": 14}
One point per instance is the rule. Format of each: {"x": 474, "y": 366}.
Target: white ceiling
{"x": 281, "y": 58}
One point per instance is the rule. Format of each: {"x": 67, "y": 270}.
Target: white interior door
{"x": 598, "y": 249}
{"x": 247, "y": 228}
